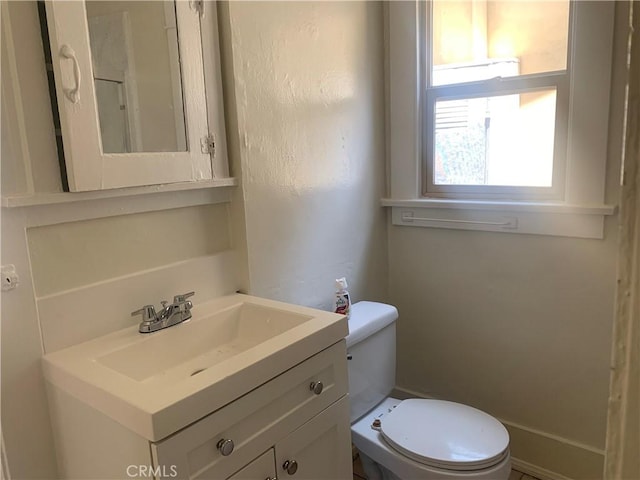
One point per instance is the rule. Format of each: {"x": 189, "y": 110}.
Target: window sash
{"x": 495, "y": 87}
{"x": 560, "y": 80}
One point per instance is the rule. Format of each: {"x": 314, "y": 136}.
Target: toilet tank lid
{"x": 367, "y": 318}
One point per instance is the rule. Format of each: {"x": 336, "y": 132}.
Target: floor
{"x": 516, "y": 475}
{"x": 358, "y": 473}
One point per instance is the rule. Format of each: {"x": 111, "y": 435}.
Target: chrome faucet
{"x": 177, "y": 312}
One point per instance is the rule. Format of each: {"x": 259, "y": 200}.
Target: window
{"x": 496, "y": 89}
{"x": 498, "y": 114}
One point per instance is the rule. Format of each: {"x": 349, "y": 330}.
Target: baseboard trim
{"x": 535, "y": 471}
{"x": 541, "y": 454}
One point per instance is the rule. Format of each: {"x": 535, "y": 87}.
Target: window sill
{"x": 541, "y": 218}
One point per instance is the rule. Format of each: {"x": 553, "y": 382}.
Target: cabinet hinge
{"x": 197, "y": 6}
{"x": 208, "y": 144}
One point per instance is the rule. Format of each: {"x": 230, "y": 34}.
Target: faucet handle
{"x": 183, "y": 298}
{"x": 148, "y": 313}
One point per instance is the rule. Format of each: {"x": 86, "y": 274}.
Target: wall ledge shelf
{"x": 36, "y": 199}
{"x": 52, "y": 208}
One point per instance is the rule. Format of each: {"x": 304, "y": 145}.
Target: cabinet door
{"x": 320, "y": 449}
{"x": 262, "y": 468}
{"x": 130, "y": 93}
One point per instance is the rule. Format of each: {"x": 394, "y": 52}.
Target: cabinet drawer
{"x": 255, "y": 421}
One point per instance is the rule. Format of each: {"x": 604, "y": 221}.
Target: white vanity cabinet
{"x": 248, "y": 388}
{"x": 307, "y": 428}
{"x": 289, "y": 418}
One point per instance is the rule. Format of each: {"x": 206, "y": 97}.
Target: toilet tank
{"x": 371, "y": 350}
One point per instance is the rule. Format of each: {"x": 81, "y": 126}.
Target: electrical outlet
{"x": 10, "y": 279}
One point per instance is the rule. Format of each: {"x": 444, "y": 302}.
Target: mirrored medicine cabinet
{"x": 138, "y": 92}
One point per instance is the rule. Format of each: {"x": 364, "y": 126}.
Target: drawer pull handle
{"x": 271, "y": 478}
{"x": 316, "y": 387}
{"x": 225, "y": 446}
{"x": 290, "y": 466}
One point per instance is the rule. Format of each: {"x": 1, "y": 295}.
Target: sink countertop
{"x": 157, "y": 404}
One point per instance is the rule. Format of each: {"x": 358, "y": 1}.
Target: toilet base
{"x": 375, "y": 471}
{"x": 381, "y": 462}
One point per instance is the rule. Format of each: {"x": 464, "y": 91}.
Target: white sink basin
{"x": 160, "y": 382}
{"x": 222, "y": 335}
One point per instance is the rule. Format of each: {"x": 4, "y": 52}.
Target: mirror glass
{"x": 136, "y": 70}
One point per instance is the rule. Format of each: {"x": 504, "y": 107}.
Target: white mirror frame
{"x": 88, "y": 168}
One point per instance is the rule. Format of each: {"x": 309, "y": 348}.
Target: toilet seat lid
{"x": 445, "y": 434}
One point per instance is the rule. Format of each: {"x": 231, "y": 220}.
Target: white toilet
{"x": 415, "y": 439}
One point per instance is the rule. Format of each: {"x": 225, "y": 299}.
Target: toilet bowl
{"x": 414, "y": 439}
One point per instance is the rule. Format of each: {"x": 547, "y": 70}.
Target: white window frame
{"x": 574, "y": 207}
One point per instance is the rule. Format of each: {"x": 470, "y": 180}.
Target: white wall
{"x": 517, "y": 325}
{"x": 25, "y": 420}
{"x": 309, "y": 113}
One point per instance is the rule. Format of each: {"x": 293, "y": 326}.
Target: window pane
{"x": 501, "y": 140}
{"x": 476, "y": 39}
